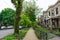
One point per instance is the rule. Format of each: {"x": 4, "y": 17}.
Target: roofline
{"x": 53, "y": 5}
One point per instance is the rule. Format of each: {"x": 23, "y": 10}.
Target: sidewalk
{"x": 30, "y": 35}
{"x": 55, "y": 38}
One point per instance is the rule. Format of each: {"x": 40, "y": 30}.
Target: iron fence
{"x": 45, "y": 35}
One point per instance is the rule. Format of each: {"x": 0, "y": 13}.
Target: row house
{"x": 51, "y": 17}
{"x": 41, "y": 20}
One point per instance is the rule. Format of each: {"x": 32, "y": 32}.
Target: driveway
{"x": 5, "y": 32}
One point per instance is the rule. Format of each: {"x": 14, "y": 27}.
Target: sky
{"x": 40, "y": 3}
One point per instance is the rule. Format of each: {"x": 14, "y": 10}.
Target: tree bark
{"x": 17, "y": 18}
{"x": 18, "y": 5}
{"x": 0, "y": 25}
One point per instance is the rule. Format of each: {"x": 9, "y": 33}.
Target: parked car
{"x": 20, "y": 27}
{"x": 10, "y": 27}
{"x": 3, "y": 27}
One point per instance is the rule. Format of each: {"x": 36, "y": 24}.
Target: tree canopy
{"x": 31, "y": 9}
{"x": 7, "y": 16}
{"x": 25, "y": 21}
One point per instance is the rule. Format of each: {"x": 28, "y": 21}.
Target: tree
{"x": 7, "y": 16}
{"x": 18, "y": 5}
{"x": 31, "y": 10}
{"x": 25, "y": 21}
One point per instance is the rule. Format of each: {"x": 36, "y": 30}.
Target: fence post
{"x": 43, "y": 35}
{"x": 40, "y": 35}
{"x": 46, "y": 36}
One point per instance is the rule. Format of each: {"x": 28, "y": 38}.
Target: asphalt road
{"x": 5, "y": 32}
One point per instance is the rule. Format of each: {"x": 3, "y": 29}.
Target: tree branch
{"x": 14, "y": 2}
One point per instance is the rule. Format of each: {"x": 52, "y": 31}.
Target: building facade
{"x": 51, "y": 17}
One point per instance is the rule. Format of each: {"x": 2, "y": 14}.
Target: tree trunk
{"x": 16, "y": 26}
{"x": 17, "y": 18}
{"x": 0, "y": 25}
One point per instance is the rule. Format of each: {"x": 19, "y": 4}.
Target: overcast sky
{"x": 41, "y": 3}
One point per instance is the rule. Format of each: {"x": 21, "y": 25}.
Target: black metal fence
{"x": 44, "y": 35}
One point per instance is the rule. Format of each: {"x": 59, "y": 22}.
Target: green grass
{"x": 50, "y": 36}
{"x": 42, "y": 29}
{"x": 37, "y": 34}
{"x": 9, "y": 37}
{"x": 12, "y": 36}
{"x": 23, "y": 32}
{"x": 56, "y": 32}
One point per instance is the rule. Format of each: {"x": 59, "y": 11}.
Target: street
{"x": 5, "y": 32}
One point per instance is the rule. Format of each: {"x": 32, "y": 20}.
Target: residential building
{"x": 51, "y": 17}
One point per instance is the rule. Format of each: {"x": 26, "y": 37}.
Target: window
{"x": 56, "y": 10}
{"x": 49, "y": 13}
{"x": 52, "y": 12}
